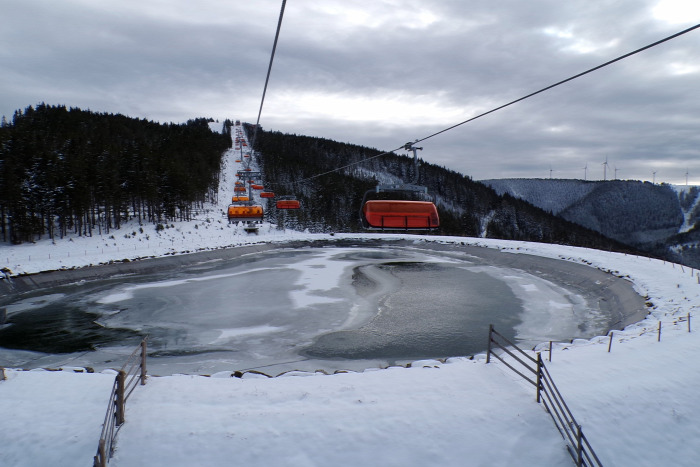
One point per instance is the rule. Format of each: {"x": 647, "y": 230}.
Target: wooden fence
{"x": 534, "y": 371}
{"x": 133, "y": 372}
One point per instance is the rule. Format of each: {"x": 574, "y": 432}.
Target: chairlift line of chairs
{"x": 395, "y": 207}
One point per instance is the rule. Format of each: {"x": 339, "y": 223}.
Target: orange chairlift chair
{"x": 400, "y": 206}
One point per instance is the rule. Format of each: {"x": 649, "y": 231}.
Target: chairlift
{"x": 267, "y": 194}
{"x": 252, "y": 212}
{"x": 399, "y": 215}
{"x": 288, "y": 202}
{"x": 400, "y": 206}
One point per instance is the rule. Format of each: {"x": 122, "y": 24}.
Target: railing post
{"x": 539, "y": 375}
{"x": 143, "y": 361}
{"x": 121, "y": 380}
{"x": 579, "y": 446}
{"x": 101, "y": 457}
{"x": 488, "y": 349}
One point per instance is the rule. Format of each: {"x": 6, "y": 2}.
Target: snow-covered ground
{"x": 638, "y": 404}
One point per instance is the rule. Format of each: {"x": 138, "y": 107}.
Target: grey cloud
{"x": 171, "y": 61}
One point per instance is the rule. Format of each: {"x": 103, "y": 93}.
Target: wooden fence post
{"x": 610, "y": 343}
{"x": 121, "y": 380}
{"x": 658, "y": 338}
{"x": 579, "y": 446}
{"x": 688, "y": 321}
{"x": 488, "y": 349}
{"x": 550, "y": 351}
{"x": 539, "y": 375}
{"x": 143, "y": 362}
{"x": 101, "y": 457}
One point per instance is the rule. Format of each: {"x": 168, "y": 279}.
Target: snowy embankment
{"x": 637, "y": 404}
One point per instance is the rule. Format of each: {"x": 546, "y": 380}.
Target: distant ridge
{"x": 660, "y": 219}
{"x": 553, "y": 195}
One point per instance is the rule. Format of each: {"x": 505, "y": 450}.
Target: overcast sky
{"x": 380, "y": 73}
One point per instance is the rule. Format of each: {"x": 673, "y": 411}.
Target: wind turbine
{"x": 605, "y": 168}
{"x": 654, "y": 179}
{"x": 585, "y": 172}
{"x": 686, "y": 177}
{"x": 615, "y": 173}
{"x": 550, "y": 171}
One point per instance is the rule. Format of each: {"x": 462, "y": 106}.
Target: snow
{"x": 317, "y": 275}
{"x": 689, "y": 214}
{"x": 637, "y": 403}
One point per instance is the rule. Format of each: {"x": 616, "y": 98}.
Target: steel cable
{"x": 269, "y": 69}
{"x": 610, "y": 62}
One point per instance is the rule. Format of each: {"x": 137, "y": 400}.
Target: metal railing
{"x": 133, "y": 372}
{"x": 534, "y": 371}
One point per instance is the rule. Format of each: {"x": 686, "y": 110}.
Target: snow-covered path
{"x": 52, "y": 418}
{"x": 638, "y": 404}
{"x": 396, "y": 417}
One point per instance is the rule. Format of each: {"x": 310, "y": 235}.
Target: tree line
{"x": 70, "y": 170}
{"x": 307, "y": 167}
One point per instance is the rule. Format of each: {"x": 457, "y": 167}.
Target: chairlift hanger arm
{"x": 410, "y": 147}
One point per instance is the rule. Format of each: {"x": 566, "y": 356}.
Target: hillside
{"x": 660, "y": 219}
{"x": 67, "y": 170}
{"x": 330, "y": 179}
{"x": 553, "y": 195}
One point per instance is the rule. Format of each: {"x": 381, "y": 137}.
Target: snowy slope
{"x": 689, "y": 197}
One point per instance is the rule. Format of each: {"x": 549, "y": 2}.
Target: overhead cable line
{"x": 564, "y": 81}
{"x": 269, "y": 69}
{"x": 515, "y": 101}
